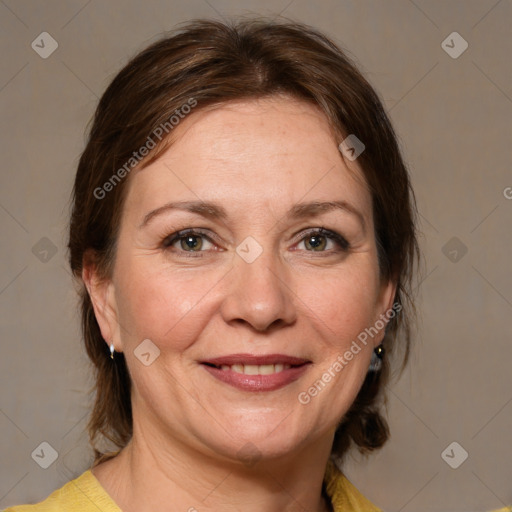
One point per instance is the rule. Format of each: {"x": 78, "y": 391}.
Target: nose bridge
{"x": 259, "y": 294}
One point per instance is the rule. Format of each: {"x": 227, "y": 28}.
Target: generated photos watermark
{"x": 342, "y": 360}
{"x": 158, "y": 133}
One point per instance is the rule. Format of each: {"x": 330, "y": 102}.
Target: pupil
{"x": 192, "y": 242}
{"x": 316, "y": 242}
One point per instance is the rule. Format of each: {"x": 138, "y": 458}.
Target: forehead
{"x": 257, "y": 153}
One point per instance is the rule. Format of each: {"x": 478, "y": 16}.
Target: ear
{"x": 102, "y": 294}
{"x": 385, "y": 303}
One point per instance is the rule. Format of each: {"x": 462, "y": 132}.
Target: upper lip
{"x": 252, "y": 359}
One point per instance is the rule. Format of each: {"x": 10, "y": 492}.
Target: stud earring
{"x": 376, "y": 361}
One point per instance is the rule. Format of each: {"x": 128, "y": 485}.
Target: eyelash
{"x": 170, "y": 240}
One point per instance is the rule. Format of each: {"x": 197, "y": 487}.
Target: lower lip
{"x": 257, "y": 382}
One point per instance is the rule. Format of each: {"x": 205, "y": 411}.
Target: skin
{"x": 256, "y": 159}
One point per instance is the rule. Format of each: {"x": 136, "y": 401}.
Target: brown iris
{"x": 315, "y": 242}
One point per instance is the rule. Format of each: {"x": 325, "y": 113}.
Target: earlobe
{"x": 101, "y": 293}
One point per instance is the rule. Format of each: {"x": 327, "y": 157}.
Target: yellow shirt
{"x": 85, "y": 494}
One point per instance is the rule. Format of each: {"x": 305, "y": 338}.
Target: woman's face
{"x": 272, "y": 279}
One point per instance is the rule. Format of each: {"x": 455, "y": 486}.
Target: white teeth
{"x": 266, "y": 369}
{"x": 238, "y": 368}
{"x": 254, "y": 369}
{"x": 251, "y": 369}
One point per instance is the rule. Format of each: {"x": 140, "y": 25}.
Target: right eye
{"x": 188, "y": 240}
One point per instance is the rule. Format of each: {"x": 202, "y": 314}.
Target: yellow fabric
{"x": 344, "y": 496}
{"x": 85, "y": 494}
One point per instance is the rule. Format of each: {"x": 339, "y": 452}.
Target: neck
{"x": 155, "y": 474}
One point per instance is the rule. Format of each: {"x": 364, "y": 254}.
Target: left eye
{"x": 323, "y": 240}
{"x": 317, "y": 243}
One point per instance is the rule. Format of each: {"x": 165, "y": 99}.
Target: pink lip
{"x": 256, "y": 382}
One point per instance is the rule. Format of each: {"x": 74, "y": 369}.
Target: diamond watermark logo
{"x": 454, "y": 45}
{"x": 249, "y": 250}
{"x": 454, "y": 249}
{"x": 147, "y": 352}
{"x": 454, "y": 455}
{"x": 249, "y": 454}
{"x": 45, "y": 455}
{"x": 44, "y": 250}
{"x": 44, "y": 45}
{"x": 351, "y": 147}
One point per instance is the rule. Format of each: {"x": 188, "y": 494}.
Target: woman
{"x": 243, "y": 227}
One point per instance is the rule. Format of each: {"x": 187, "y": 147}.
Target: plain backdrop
{"x": 452, "y": 112}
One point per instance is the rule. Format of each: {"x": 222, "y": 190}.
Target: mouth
{"x": 256, "y": 373}
{"x": 254, "y": 369}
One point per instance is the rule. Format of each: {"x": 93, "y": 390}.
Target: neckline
{"x": 330, "y": 482}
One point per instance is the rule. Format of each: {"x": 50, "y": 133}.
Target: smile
{"x": 254, "y": 369}
{"x": 249, "y": 372}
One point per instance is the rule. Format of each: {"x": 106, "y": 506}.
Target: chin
{"x": 258, "y": 436}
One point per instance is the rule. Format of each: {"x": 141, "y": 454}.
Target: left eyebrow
{"x": 215, "y": 211}
{"x": 315, "y": 208}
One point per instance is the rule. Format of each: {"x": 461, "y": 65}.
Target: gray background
{"x": 453, "y": 117}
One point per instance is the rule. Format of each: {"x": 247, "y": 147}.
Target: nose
{"x": 260, "y": 295}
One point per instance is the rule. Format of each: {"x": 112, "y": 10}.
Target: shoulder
{"x": 344, "y": 496}
{"x": 83, "y": 494}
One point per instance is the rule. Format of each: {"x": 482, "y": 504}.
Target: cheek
{"x": 341, "y": 308}
{"x": 161, "y": 305}
{"x": 344, "y": 302}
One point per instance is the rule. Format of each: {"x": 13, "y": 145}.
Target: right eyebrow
{"x": 206, "y": 209}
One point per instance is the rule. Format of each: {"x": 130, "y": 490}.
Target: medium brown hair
{"x": 212, "y": 63}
